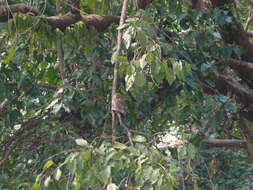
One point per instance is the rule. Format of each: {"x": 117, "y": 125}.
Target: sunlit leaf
{"x": 81, "y": 142}
{"x": 112, "y": 186}
{"x": 139, "y": 138}
{"x": 57, "y": 175}
{"x": 48, "y": 164}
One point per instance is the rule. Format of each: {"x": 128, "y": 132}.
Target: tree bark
{"x": 225, "y": 143}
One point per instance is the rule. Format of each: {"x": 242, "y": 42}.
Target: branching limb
{"x": 125, "y": 127}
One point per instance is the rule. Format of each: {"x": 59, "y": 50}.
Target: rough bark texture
{"x": 64, "y": 21}
{"x": 225, "y": 143}
{"x": 100, "y": 22}
{"x": 7, "y": 11}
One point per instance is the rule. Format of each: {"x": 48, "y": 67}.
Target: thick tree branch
{"x": 100, "y": 22}
{"x": 239, "y": 63}
{"x": 225, "y": 143}
{"x": 245, "y": 94}
{"x": 7, "y": 11}
{"x": 235, "y": 33}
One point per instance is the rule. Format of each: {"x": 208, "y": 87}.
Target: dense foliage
{"x": 185, "y": 74}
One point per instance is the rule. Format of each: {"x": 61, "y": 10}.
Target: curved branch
{"x": 99, "y": 22}
{"x": 7, "y": 11}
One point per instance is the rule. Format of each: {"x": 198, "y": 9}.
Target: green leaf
{"x": 10, "y": 55}
{"x": 127, "y": 36}
{"x": 123, "y": 26}
{"x": 81, "y": 142}
{"x": 122, "y": 59}
{"x": 191, "y": 151}
{"x": 155, "y": 176}
{"x": 196, "y": 187}
{"x": 48, "y": 164}
{"x": 57, "y": 108}
{"x": 120, "y": 146}
{"x": 169, "y": 74}
{"x": 230, "y": 107}
{"x": 223, "y": 99}
{"x": 105, "y": 174}
{"x": 140, "y": 79}
{"x": 188, "y": 68}
{"x": 129, "y": 81}
{"x": 112, "y": 186}
{"x": 139, "y": 138}
{"x": 36, "y": 186}
{"x": 143, "y": 61}
{"x": 57, "y": 175}
{"x": 47, "y": 181}
{"x": 52, "y": 103}
{"x": 178, "y": 69}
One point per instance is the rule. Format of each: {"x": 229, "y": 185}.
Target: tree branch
{"x": 116, "y": 66}
{"x": 100, "y": 22}
{"x": 7, "y": 11}
{"x": 225, "y": 143}
{"x": 235, "y": 33}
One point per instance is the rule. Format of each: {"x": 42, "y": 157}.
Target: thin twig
{"x": 59, "y": 45}
{"x": 125, "y": 127}
{"x": 116, "y": 66}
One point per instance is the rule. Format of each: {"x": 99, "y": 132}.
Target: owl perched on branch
{"x": 118, "y": 103}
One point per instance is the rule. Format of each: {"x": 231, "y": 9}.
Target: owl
{"x": 118, "y": 103}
